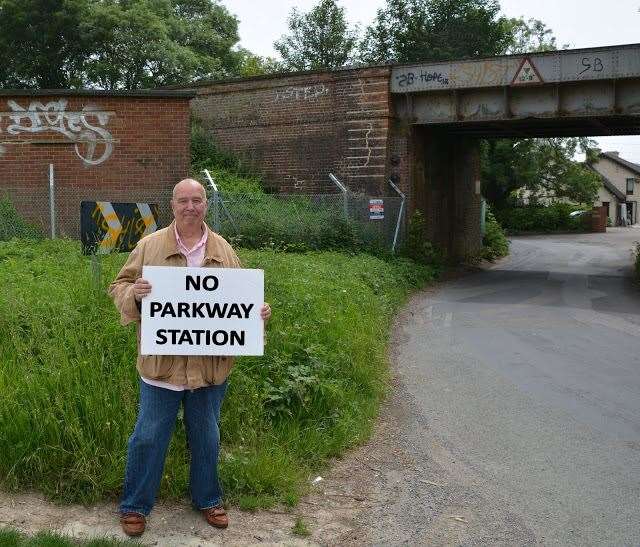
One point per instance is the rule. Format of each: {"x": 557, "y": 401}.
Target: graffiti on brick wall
{"x": 93, "y": 143}
{"x": 301, "y": 93}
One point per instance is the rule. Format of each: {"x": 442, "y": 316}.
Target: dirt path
{"x": 400, "y": 488}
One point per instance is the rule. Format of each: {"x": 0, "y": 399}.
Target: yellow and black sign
{"x": 108, "y": 227}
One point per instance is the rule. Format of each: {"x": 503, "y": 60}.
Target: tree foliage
{"x": 318, "y": 39}
{"x": 115, "y": 44}
{"x": 543, "y": 167}
{"x": 435, "y": 30}
{"x": 41, "y": 43}
{"x": 529, "y": 36}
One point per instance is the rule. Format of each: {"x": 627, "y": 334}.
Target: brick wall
{"x": 140, "y": 150}
{"x": 297, "y": 129}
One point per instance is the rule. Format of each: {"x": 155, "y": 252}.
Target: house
{"x": 620, "y": 187}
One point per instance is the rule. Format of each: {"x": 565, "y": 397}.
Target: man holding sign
{"x": 195, "y": 308}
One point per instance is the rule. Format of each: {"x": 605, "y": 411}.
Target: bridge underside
{"x": 448, "y": 125}
{"x": 592, "y": 126}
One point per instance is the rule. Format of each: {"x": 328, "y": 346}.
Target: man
{"x": 198, "y": 382}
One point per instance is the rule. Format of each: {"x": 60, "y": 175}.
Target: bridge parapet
{"x": 563, "y": 66}
{"x": 592, "y": 91}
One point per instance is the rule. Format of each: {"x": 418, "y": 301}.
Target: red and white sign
{"x": 527, "y": 74}
{"x": 376, "y": 209}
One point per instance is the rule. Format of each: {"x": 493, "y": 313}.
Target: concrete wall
{"x": 103, "y": 147}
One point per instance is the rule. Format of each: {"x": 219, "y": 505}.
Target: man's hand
{"x": 265, "y": 312}
{"x": 142, "y": 288}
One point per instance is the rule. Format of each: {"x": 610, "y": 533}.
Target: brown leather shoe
{"x": 216, "y": 516}
{"x": 132, "y": 524}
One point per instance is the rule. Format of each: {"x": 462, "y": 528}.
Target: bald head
{"x": 188, "y": 184}
{"x": 189, "y": 206}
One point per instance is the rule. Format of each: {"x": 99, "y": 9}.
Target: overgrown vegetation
{"x": 494, "y": 243}
{"x": 255, "y": 219}
{"x": 536, "y": 218}
{"x": 416, "y": 246}
{"x": 13, "y": 225}
{"x": 636, "y": 256}
{"x": 68, "y": 384}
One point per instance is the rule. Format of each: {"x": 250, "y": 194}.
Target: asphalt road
{"x": 526, "y": 379}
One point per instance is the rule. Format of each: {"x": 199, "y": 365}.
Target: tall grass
{"x": 12, "y": 538}
{"x": 68, "y": 385}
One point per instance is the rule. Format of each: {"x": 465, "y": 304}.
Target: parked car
{"x": 574, "y": 214}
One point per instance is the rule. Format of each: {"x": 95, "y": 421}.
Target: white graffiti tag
{"x": 76, "y": 126}
{"x": 301, "y": 93}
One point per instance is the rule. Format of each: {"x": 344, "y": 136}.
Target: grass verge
{"x": 12, "y": 538}
{"x": 68, "y": 385}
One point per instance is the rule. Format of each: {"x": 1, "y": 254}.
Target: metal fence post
{"x": 345, "y": 194}
{"x": 400, "y": 216}
{"x": 216, "y": 202}
{"x": 52, "y": 203}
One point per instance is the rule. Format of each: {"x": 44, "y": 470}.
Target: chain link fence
{"x": 285, "y": 221}
{"x": 312, "y": 221}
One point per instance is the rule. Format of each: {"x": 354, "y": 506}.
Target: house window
{"x": 605, "y": 204}
{"x": 630, "y": 183}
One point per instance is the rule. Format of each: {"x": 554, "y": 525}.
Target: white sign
{"x": 376, "y": 209}
{"x": 202, "y": 311}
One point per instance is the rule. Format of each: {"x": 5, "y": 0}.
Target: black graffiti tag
{"x": 408, "y": 78}
{"x": 594, "y": 65}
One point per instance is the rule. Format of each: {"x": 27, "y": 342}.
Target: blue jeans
{"x": 147, "y": 448}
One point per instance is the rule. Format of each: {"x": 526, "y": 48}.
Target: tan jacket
{"x": 161, "y": 249}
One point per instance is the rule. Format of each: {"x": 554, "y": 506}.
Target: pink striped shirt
{"x": 194, "y": 257}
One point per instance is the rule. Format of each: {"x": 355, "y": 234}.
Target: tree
{"x": 41, "y": 43}
{"x": 320, "y": 38}
{"x": 544, "y": 167}
{"x": 254, "y": 65}
{"x": 149, "y": 43}
{"x": 529, "y": 36}
{"x": 435, "y": 30}
{"x": 115, "y": 44}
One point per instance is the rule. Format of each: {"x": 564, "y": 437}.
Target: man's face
{"x": 189, "y": 205}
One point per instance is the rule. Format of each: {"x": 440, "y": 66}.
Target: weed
{"x": 300, "y": 528}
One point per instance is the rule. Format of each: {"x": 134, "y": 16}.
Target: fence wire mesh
{"x": 316, "y": 221}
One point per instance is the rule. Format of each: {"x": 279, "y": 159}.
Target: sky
{"x": 579, "y": 23}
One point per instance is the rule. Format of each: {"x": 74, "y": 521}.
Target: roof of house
{"x": 617, "y": 159}
{"x": 611, "y": 188}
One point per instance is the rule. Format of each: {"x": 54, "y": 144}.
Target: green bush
{"x": 636, "y": 254}
{"x": 531, "y": 218}
{"x": 295, "y": 224}
{"x": 206, "y": 155}
{"x": 416, "y": 246}
{"x": 494, "y": 243}
{"x": 13, "y": 225}
{"x": 68, "y": 384}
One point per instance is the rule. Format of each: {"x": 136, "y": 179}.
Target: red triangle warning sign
{"x": 527, "y": 73}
